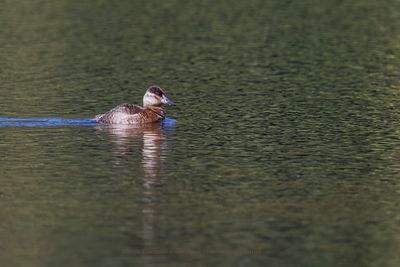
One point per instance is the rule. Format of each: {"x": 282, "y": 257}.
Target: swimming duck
{"x": 133, "y": 114}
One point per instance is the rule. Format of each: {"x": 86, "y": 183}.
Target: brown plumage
{"x": 133, "y": 114}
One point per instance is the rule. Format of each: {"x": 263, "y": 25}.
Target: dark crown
{"x": 155, "y": 90}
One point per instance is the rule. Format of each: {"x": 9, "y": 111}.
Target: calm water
{"x": 286, "y": 150}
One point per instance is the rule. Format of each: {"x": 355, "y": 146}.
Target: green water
{"x": 286, "y": 151}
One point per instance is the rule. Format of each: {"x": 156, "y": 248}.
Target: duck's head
{"x": 155, "y": 96}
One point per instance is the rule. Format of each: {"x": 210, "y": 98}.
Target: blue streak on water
{"x": 169, "y": 122}
{"x": 46, "y": 122}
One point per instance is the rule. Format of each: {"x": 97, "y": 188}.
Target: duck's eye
{"x": 159, "y": 93}
{"x": 151, "y": 95}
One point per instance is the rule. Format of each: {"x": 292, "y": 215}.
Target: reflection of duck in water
{"x": 132, "y": 114}
{"x": 149, "y": 140}
{"x": 146, "y": 146}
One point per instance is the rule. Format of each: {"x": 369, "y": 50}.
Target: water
{"x": 285, "y": 151}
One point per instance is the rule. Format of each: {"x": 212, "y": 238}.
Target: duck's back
{"x": 128, "y": 114}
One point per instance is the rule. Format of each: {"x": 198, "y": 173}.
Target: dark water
{"x": 286, "y": 150}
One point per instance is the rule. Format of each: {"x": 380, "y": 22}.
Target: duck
{"x": 128, "y": 113}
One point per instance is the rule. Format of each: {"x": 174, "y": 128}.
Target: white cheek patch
{"x": 151, "y": 99}
{"x": 148, "y": 94}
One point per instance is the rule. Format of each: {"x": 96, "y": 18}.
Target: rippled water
{"x": 285, "y": 151}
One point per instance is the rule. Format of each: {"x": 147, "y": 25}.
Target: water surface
{"x": 285, "y": 151}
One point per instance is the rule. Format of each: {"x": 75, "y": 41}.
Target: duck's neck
{"x": 158, "y": 110}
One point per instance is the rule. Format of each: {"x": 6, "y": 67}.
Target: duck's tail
{"x": 98, "y": 117}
